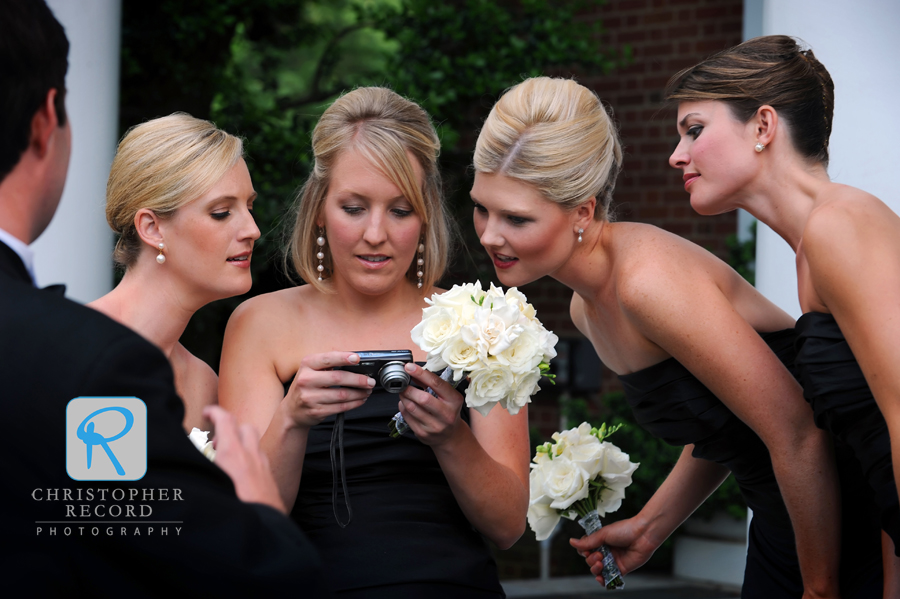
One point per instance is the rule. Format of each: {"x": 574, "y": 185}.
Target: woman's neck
{"x": 588, "y": 269}
{"x": 784, "y": 195}
{"x": 149, "y": 303}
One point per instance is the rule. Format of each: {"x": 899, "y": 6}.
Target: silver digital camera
{"x": 385, "y": 366}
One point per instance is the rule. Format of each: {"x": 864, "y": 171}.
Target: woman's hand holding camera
{"x": 433, "y": 418}
{"x": 318, "y": 391}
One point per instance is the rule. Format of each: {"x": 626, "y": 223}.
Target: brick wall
{"x": 665, "y": 36}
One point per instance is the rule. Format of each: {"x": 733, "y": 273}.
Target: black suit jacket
{"x": 53, "y": 350}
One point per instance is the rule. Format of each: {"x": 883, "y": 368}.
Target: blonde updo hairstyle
{"x": 162, "y": 165}
{"x": 555, "y": 135}
{"x": 382, "y": 126}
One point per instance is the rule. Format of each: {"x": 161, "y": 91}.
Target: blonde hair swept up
{"x": 382, "y": 126}
{"x": 555, "y": 135}
{"x": 162, "y": 165}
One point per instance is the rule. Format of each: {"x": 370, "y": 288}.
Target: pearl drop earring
{"x": 580, "y": 231}
{"x": 320, "y": 241}
{"x": 420, "y": 264}
{"x": 161, "y": 258}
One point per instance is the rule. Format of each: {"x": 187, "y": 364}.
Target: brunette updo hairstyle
{"x": 556, "y": 136}
{"x": 382, "y": 126}
{"x": 769, "y": 70}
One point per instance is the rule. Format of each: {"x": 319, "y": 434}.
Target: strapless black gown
{"x": 674, "y": 406}
{"x": 835, "y": 387}
{"x": 408, "y": 537}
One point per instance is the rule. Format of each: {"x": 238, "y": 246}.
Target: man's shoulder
{"x": 26, "y": 311}
{"x": 47, "y": 334}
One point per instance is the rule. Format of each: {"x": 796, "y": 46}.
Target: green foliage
{"x": 574, "y": 410}
{"x": 742, "y": 254}
{"x": 657, "y": 459}
{"x": 266, "y": 69}
{"x": 455, "y": 58}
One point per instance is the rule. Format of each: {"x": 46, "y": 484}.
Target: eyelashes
{"x": 398, "y": 212}
{"x": 511, "y": 218}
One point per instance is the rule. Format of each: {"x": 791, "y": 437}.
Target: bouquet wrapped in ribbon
{"x": 579, "y": 475}
{"x": 491, "y": 337}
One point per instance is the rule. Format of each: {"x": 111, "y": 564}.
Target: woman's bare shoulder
{"x": 270, "y": 313}
{"x": 651, "y": 261}
{"x": 197, "y": 385}
{"x": 847, "y": 213}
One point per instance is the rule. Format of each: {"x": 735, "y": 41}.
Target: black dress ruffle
{"x": 843, "y": 404}
{"x": 673, "y": 405}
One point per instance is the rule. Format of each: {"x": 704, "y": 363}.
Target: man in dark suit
{"x": 181, "y": 528}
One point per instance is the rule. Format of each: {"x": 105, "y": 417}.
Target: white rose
{"x": 459, "y": 298}
{"x": 199, "y": 439}
{"x": 524, "y": 354}
{"x": 517, "y": 298}
{"x": 564, "y": 482}
{"x": 495, "y": 293}
{"x": 439, "y": 325}
{"x": 536, "y": 479}
{"x": 493, "y": 328}
{"x": 548, "y": 341}
{"x": 617, "y": 471}
{"x": 460, "y": 356}
{"x": 571, "y": 436}
{"x": 487, "y": 386}
{"x": 542, "y": 519}
{"x": 587, "y": 452}
{"x": 524, "y": 386}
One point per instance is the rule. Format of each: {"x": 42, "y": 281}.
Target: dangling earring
{"x": 420, "y": 263}
{"x": 759, "y": 147}
{"x": 320, "y": 241}
{"x": 161, "y": 258}
{"x": 580, "y": 231}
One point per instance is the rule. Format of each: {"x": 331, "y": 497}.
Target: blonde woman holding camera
{"x": 370, "y": 240}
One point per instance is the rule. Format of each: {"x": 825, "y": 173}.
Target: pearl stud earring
{"x": 759, "y": 147}
{"x": 161, "y": 258}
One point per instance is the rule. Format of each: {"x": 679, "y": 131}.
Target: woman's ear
{"x": 766, "y": 124}
{"x": 147, "y": 223}
{"x": 584, "y": 214}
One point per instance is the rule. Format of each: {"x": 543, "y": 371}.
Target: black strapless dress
{"x": 674, "y": 406}
{"x": 408, "y": 537}
{"x": 835, "y": 387}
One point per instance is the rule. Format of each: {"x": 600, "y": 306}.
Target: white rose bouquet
{"x": 580, "y": 475}
{"x": 200, "y": 440}
{"x": 490, "y": 336}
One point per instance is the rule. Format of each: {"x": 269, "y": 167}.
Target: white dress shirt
{"x": 22, "y": 249}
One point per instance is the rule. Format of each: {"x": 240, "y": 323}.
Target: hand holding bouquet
{"x": 490, "y": 336}
{"x": 579, "y": 475}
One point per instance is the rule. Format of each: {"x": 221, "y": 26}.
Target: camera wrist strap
{"x": 337, "y": 441}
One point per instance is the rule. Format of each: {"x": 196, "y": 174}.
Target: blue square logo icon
{"x": 106, "y": 438}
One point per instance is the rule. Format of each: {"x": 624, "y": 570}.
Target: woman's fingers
{"x": 329, "y": 360}
{"x": 317, "y": 371}
{"x": 428, "y": 379}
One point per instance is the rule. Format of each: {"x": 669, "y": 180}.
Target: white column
{"x": 76, "y": 248}
{"x": 858, "y": 44}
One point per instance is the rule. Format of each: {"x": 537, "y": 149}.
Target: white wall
{"x": 858, "y": 43}
{"x": 76, "y": 248}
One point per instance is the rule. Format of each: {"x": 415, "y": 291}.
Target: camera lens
{"x": 393, "y": 377}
